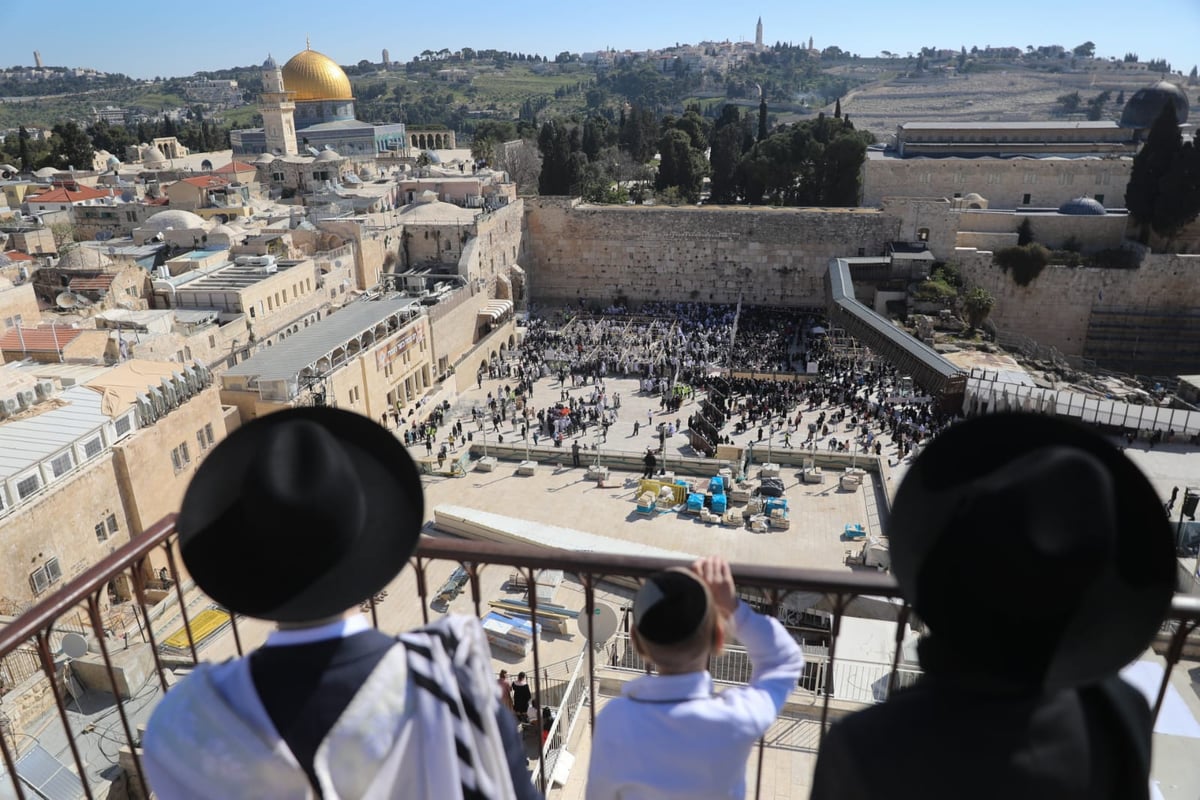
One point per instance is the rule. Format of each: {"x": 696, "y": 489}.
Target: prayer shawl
{"x": 423, "y": 725}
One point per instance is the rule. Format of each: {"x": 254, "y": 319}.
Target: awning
{"x": 496, "y": 309}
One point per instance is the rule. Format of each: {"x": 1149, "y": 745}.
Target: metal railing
{"x": 575, "y": 696}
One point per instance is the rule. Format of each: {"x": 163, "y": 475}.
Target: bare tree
{"x": 523, "y": 163}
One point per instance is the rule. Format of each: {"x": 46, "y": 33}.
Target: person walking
{"x": 506, "y": 693}
{"x": 650, "y": 463}
{"x": 636, "y": 428}
{"x": 575, "y": 453}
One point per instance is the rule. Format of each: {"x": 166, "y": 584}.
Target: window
{"x": 175, "y": 462}
{"x": 180, "y": 457}
{"x": 123, "y": 425}
{"x": 208, "y": 434}
{"x": 1030, "y": 178}
{"x": 101, "y": 533}
{"x": 1100, "y": 199}
{"x": 922, "y": 234}
{"x": 61, "y": 465}
{"x": 44, "y": 576}
{"x": 112, "y": 523}
{"x": 92, "y": 449}
{"x": 183, "y": 451}
{"x": 53, "y": 571}
{"x": 28, "y": 486}
{"x": 200, "y": 440}
{"x": 1065, "y": 179}
{"x": 212, "y": 341}
{"x": 1025, "y": 198}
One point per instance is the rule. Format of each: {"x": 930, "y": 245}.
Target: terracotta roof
{"x": 63, "y": 195}
{"x": 43, "y": 338}
{"x": 17, "y": 255}
{"x": 234, "y": 166}
{"x": 206, "y": 182}
{"x": 99, "y": 283}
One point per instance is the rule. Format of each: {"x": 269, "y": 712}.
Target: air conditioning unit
{"x": 27, "y": 398}
{"x": 146, "y": 413}
{"x": 8, "y": 407}
{"x": 205, "y": 375}
{"x": 168, "y": 390}
{"x": 44, "y": 389}
{"x": 159, "y": 402}
{"x": 255, "y": 261}
{"x": 182, "y": 386}
{"x": 192, "y": 376}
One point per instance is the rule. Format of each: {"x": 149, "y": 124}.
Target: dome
{"x": 112, "y": 162}
{"x": 265, "y": 158}
{"x": 974, "y": 200}
{"x": 83, "y": 258}
{"x": 153, "y": 157}
{"x": 1146, "y": 104}
{"x": 270, "y": 62}
{"x": 175, "y": 218}
{"x": 314, "y": 76}
{"x": 328, "y": 154}
{"x": 45, "y": 172}
{"x": 1082, "y": 207}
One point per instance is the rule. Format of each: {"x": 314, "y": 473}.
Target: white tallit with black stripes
{"x": 455, "y": 700}
{"x": 423, "y": 726}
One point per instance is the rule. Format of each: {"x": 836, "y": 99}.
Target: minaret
{"x": 758, "y": 35}
{"x": 278, "y": 111}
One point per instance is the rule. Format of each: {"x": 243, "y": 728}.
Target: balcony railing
{"x": 103, "y": 748}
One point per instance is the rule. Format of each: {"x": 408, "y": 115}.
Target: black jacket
{"x": 942, "y": 739}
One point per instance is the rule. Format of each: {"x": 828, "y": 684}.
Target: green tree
{"x": 1085, "y": 50}
{"x": 762, "y": 118}
{"x": 1178, "y": 201}
{"x": 1152, "y": 164}
{"x": 25, "y": 151}
{"x": 71, "y": 147}
{"x": 978, "y": 304}
{"x": 1024, "y": 232}
{"x": 681, "y": 167}
{"x": 489, "y": 133}
{"x": 1069, "y": 103}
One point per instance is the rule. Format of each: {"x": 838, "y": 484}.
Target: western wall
{"x": 779, "y": 256}
{"x": 775, "y": 256}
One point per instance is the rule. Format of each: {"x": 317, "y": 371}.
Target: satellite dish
{"x": 66, "y": 300}
{"x": 604, "y": 623}
{"x": 103, "y": 236}
{"x": 74, "y": 645}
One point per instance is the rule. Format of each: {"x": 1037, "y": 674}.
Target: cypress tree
{"x": 1151, "y": 165}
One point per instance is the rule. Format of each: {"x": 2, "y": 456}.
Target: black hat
{"x": 669, "y": 606}
{"x": 301, "y": 514}
{"x": 1033, "y": 546}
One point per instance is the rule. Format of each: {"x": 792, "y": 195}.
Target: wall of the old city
{"x": 1054, "y": 309}
{"x": 638, "y": 254}
{"x": 1003, "y": 182}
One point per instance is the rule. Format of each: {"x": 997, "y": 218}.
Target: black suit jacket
{"x": 306, "y": 687}
{"x": 935, "y": 741}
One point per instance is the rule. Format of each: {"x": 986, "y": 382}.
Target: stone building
{"x": 85, "y": 467}
{"x": 367, "y": 357}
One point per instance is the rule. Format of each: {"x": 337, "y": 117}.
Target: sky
{"x": 147, "y": 39}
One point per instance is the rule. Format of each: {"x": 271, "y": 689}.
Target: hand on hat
{"x": 715, "y": 573}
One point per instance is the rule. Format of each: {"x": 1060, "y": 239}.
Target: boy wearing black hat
{"x": 1041, "y": 562}
{"x": 669, "y": 735}
{"x": 329, "y": 707}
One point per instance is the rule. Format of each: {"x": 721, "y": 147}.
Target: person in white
{"x": 669, "y": 735}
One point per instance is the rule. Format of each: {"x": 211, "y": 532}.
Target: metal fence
{"x": 112, "y": 741}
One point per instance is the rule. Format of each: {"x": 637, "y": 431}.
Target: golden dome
{"x": 314, "y": 76}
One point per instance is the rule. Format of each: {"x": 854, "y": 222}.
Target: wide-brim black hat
{"x": 301, "y": 514}
{"x": 1033, "y": 547}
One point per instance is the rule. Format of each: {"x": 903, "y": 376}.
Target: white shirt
{"x": 670, "y": 737}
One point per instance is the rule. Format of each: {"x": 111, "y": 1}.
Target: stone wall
{"x": 1003, "y": 182}
{"x": 1054, "y": 309}
{"x": 1051, "y": 229}
{"x": 773, "y": 255}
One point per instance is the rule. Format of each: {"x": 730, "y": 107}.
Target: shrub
{"x": 1025, "y": 263}
{"x": 1114, "y": 258}
{"x": 935, "y": 290}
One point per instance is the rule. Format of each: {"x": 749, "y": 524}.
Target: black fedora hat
{"x": 1032, "y": 547}
{"x": 301, "y": 514}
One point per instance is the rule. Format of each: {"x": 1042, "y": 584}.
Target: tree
{"x": 1069, "y": 103}
{"x": 681, "y": 166}
{"x": 1085, "y": 50}
{"x": 1151, "y": 166}
{"x": 978, "y": 304}
{"x": 71, "y": 147}
{"x": 837, "y": 109}
{"x": 523, "y": 164}
{"x": 1193, "y": 76}
{"x": 1178, "y": 201}
{"x": 24, "y": 152}
{"x": 1024, "y": 232}
{"x": 762, "y": 118}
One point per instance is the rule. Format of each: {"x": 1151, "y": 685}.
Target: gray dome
{"x": 1146, "y": 104}
{"x": 83, "y": 258}
{"x": 175, "y": 218}
{"x": 1082, "y": 207}
{"x": 270, "y": 62}
{"x": 328, "y": 154}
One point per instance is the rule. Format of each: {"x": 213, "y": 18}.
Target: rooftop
{"x": 289, "y": 357}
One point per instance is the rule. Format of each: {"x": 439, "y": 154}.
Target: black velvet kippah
{"x": 669, "y": 607}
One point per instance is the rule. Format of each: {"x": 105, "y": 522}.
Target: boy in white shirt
{"x": 668, "y": 735}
